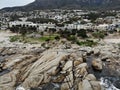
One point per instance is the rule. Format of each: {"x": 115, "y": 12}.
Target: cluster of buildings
{"x": 61, "y": 16}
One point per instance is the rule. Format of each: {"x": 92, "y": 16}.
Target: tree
{"x": 57, "y": 38}
{"x": 41, "y": 33}
{"x": 74, "y": 31}
{"x": 72, "y": 38}
{"x": 52, "y": 30}
{"x": 42, "y": 20}
{"x": 23, "y": 32}
{"x": 93, "y": 16}
{"x": 82, "y": 33}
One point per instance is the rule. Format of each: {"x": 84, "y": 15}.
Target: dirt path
{"x": 112, "y": 39}
{"x": 4, "y": 36}
{"x": 5, "y": 41}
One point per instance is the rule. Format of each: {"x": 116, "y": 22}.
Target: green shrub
{"x": 87, "y": 43}
{"x": 14, "y": 38}
{"x": 100, "y": 34}
{"x": 57, "y": 38}
{"x": 72, "y": 38}
{"x": 82, "y": 33}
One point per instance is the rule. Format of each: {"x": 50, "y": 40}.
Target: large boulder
{"x": 105, "y": 57}
{"x": 65, "y": 86}
{"x": 68, "y": 65}
{"x": 1, "y": 49}
{"x": 9, "y": 51}
{"x": 80, "y": 86}
{"x": 97, "y": 64}
{"x": 90, "y": 77}
{"x": 78, "y": 61}
{"x": 95, "y": 85}
{"x": 96, "y": 52}
{"x": 82, "y": 65}
{"x": 8, "y": 81}
{"x": 86, "y": 85}
{"x": 83, "y": 72}
{"x": 36, "y": 70}
{"x": 40, "y": 71}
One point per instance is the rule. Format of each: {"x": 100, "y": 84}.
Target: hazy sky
{"x": 11, "y": 3}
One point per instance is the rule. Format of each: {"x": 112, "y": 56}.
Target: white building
{"x": 78, "y": 26}
{"x": 14, "y": 23}
{"x": 42, "y": 27}
{"x": 102, "y": 26}
{"x": 70, "y": 26}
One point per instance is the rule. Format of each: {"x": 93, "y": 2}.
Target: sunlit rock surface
{"x": 59, "y": 68}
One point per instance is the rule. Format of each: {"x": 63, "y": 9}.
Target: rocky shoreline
{"x": 58, "y": 68}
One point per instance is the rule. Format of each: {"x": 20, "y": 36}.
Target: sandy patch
{"x": 112, "y": 40}
{"x": 5, "y": 41}
{"x": 4, "y": 36}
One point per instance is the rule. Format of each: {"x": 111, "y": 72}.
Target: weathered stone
{"x": 51, "y": 66}
{"x": 86, "y": 85}
{"x": 90, "y": 52}
{"x": 73, "y": 55}
{"x": 8, "y": 52}
{"x": 78, "y": 61}
{"x": 90, "y": 77}
{"x": 80, "y": 87}
{"x": 53, "y": 71}
{"x": 64, "y": 86}
{"x": 83, "y": 72}
{"x": 8, "y": 81}
{"x": 95, "y": 85}
{"x": 33, "y": 81}
{"x": 97, "y": 64}
{"x": 59, "y": 79}
{"x": 105, "y": 57}
{"x": 96, "y": 52}
{"x": 108, "y": 60}
{"x": 1, "y": 50}
{"x": 82, "y": 65}
{"x": 68, "y": 65}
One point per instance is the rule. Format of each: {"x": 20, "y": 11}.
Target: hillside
{"x": 68, "y": 4}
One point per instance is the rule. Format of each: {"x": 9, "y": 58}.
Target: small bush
{"x": 87, "y": 43}
{"x": 72, "y": 38}
{"x": 14, "y": 38}
{"x": 57, "y": 38}
{"x": 99, "y": 34}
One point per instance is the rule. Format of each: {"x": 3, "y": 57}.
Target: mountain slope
{"x": 75, "y": 4}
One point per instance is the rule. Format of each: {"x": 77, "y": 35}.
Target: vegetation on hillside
{"x": 42, "y": 20}
{"x": 75, "y": 36}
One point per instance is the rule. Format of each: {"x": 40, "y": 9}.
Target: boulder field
{"x": 57, "y": 68}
